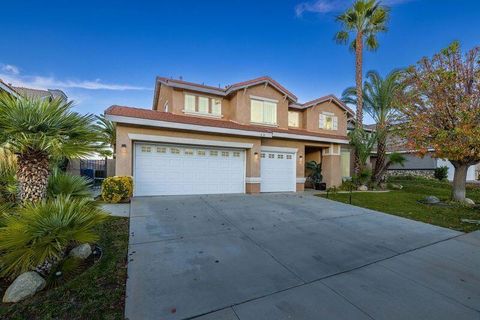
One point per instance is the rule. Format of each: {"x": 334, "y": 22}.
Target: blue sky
{"x": 109, "y": 52}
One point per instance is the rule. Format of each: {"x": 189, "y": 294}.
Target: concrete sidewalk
{"x": 292, "y": 256}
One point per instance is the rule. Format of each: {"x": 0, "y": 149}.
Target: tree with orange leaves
{"x": 442, "y": 110}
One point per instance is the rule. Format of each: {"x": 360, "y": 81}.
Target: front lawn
{"x": 98, "y": 293}
{"x": 404, "y": 203}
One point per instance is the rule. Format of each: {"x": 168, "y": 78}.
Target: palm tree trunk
{"x": 459, "y": 181}
{"x": 358, "y": 83}
{"x": 32, "y": 174}
{"x": 380, "y": 163}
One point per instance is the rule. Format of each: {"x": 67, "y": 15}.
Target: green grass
{"x": 404, "y": 203}
{"x": 98, "y": 293}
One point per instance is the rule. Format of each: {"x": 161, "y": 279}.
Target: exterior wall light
{"x": 300, "y": 157}
{"x": 123, "y": 149}
{"x": 256, "y": 155}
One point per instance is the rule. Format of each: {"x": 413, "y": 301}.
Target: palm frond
{"x": 42, "y": 231}
{"x": 64, "y": 184}
{"x": 48, "y": 126}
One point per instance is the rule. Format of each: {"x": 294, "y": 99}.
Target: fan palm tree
{"x": 364, "y": 20}
{"x": 39, "y": 132}
{"x": 108, "y": 132}
{"x": 380, "y": 96}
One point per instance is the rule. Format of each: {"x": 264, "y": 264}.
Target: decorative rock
{"x": 431, "y": 200}
{"x": 396, "y": 186}
{"x": 362, "y": 188}
{"x": 24, "y": 286}
{"x": 82, "y": 251}
{"x": 468, "y": 202}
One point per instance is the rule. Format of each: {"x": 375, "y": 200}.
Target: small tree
{"x": 442, "y": 110}
{"x": 380, "y": 102}
{"x": 363, "y": 142}
{"x": 39, "y": 132}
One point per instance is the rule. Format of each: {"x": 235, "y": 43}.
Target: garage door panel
{"x": 278, "y": 172}
{"x": 176, "y": 170}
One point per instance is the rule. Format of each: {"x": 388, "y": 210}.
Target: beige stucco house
{"x": 251, "y": 137}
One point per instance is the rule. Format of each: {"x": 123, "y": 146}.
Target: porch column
{"x": 331, "y": 166}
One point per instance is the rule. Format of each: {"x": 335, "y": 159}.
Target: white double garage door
{"x": 166, "y": 169}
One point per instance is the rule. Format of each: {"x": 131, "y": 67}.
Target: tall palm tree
{"x": 364, "y": 20}
{"x": 380, "y": 96}
{"x": 108, "y": 132}
{"x": 39, "y": 132}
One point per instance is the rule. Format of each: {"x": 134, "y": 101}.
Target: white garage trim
{"x": 309, "y": 138}
{"x": 184, "y": 126}
{"x": 279, "y": 149}
{"x": 199, "y": 142}
{"x": 253, "y": 180}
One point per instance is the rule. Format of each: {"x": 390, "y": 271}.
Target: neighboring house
{"x": 252, "y": 136}
{"x": 32, "y": 93}
{"x": 417, "y": 165}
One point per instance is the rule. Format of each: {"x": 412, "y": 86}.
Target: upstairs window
{"x": 189, "y": 103}
{"x": 293, "y": 119}
{"x": 203, "y": 105}
{"x": 264, "y": 112}
{"x": 328, "y": 121}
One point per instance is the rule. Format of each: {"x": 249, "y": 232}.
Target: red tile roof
{"x": 170, "y": 117}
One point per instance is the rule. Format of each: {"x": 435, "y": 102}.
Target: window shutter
{"x": 321, "y": 124}
{"x": 335, "y": 123}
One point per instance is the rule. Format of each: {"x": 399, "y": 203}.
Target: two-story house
{"x": 251, "y": 137}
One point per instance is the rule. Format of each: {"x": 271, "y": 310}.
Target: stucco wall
{"x": 236, "y": 107}
{"x": 312, "y": 115}
{"x": 124, "y": 159}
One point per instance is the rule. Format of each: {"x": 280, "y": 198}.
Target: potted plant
{"x": 316, "y": 175}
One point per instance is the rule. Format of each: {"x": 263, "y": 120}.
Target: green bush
{"x": 43, "y": 231}
{"x": 117, "y": 189}
{"x": 8, "y": 172}
{"x": 64, "y": 184}
{"x": 441, "y": 173}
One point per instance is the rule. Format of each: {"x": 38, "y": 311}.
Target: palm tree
{"x": 380, "y": 97}
{"x": 364, "y": 19}
{"x": 108, "y": 132}
{"x": 39, "y": 132}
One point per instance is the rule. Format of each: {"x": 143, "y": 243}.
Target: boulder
{"x": 468, "y": 202}
{"x": 362, "y": 188}
{"x": 24, "y": 286}
{"x": 431, "y": 200}
{"x": 82, "y": 251}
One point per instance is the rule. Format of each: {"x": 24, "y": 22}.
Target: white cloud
{"x": 11, "y": 74}
{"x": 9, "y": 68}
{"x": 327, "y": 6}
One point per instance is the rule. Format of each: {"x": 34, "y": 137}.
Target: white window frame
{"x": 322, "y": 121}
{"x": 210, "y": 110}
{"x": 264, "y": 102}
{"x": 296, "y": 122}
{"x": 187, "y": 107}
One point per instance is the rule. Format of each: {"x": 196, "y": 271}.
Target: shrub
{"x": 8, "y": 180}
{"x": 64, "y": 184}
{"x": 363, "y": 176}
{"x": 116, "y": 189}
{"x": 441, "y": 173}
{"x": 43, "y": 231}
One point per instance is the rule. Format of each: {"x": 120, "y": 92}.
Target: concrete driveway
{"x": 294, "y": 256}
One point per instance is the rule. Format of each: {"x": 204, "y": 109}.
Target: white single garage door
{"x": 277, "y": 171}
{"x": 182, "y": 170}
